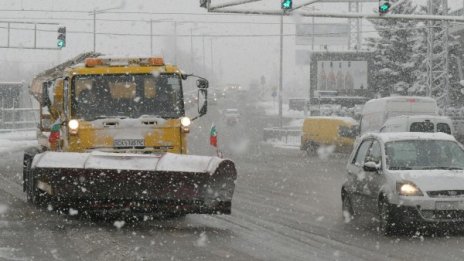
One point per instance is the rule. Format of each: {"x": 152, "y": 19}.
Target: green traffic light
{"x": 287, "y": 4}
{"x": 384, "y": 8}
{"x": 60, "y": 43}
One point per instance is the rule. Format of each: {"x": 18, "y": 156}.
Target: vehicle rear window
{"x": 443, "y": 127}
{"x": 425, "y": 126}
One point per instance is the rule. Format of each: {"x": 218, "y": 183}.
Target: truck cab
{"x": 121, "y": 105}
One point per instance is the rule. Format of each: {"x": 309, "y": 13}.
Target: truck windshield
{"x": 124, "y": 95}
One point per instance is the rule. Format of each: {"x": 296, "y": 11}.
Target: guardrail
{"x": 18, "y": 118}
{"x": 285, "y": 135}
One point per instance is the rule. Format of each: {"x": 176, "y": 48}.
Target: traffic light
{"x": 384, "y": 6}
{"x": 205, "y": 3}
{"x": 61, "y": 39}
{"x": 286, "y": 4}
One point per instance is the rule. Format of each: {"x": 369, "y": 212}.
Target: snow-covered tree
{"x": 395, "y": 61}
{"x": 455, "y": 57}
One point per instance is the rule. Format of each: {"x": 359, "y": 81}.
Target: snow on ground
{"x": 272, "y": 108}
{"x": 17, "y": 140}
{"x": 292, "y": 142}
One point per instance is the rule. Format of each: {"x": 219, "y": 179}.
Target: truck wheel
{"x": 311, "y": 149}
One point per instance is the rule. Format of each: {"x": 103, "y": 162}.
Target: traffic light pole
{"x": 94, "y": 30}
{"x": 281, "y": 67}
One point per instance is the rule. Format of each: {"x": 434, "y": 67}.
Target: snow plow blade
{"x": 145, "y": 183}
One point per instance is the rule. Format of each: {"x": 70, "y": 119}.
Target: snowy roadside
{"x": 17, "y": 141}
{"x": 272, "y": 108}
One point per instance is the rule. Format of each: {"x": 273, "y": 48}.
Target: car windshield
{"x": 121, "y": 95}
{"x": 424, "y": 154}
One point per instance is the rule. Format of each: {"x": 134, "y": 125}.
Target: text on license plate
{"x": 129, "y": 143}
{"x": 449, "y": 205}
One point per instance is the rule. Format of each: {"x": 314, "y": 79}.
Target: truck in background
{"x": 376, "y": 111}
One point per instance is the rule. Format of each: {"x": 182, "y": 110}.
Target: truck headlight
{"x": 73, "y": 126}
{"x": 185, "y": 121}
{"x": 408, "y": 189}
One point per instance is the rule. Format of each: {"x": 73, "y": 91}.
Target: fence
{"x": 286, "y": 135}
{"x": 18, "y": 118}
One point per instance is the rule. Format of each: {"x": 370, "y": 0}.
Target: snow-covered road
{"x": 286, "y": 207}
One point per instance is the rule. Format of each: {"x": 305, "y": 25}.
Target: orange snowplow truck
{"x": 113, "y": 136}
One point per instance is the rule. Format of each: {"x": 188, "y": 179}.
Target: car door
{"x": 374, "y": 179}
{"x": 356, "y": 175}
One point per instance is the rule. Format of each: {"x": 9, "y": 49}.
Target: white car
{"x": 406, "y": 178}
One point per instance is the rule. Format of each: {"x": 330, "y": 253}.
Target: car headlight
{"x": 185, "y": 121}
{"x": 73, "y": 126}
{"x": 408, "y": 189}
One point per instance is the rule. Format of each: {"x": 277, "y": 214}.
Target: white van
{"x": 376, "y": 111}
{"x": 418, "y": 123}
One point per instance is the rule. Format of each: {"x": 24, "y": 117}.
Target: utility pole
{"x": 313, "y": 25}
{"x": 175, "y": 42}
{"x": 151, "y": 37}
{"x": 204, "y": 55}
{"x": 94, "y": 30}
{"x": 437, "y": 53}
{"x": 281, "y": 66}
{"x": 191, "y": 49}
{"x": 354, "y": 36}
{"x": 212, "y": 61}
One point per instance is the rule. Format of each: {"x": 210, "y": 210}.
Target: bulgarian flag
{"x": 213, "y": 136}
{"x": 55, "y": 132}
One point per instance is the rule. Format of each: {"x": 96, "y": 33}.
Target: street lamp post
{"x": 281, "y": 67}
{"x": 95, "y": 11}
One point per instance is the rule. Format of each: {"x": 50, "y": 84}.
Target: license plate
{"x": 129, "y": 143}
{"x": 449, "y": 205}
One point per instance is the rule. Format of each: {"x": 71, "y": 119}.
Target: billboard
{"x": 346, "y": 73}
{"x": 341, "y": 75}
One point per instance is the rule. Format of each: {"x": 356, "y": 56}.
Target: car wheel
{"x": 386, "y": 221}
{"x": 311, "y": 149}
{"x": 347, "y": 208}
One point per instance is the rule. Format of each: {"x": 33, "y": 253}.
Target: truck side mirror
{"x": 45, "y": 102}
{"x": 202, "y": 84}
{"x": 202, "y": 101}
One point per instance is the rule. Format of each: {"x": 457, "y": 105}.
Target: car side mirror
{"x": 371, "y": 166}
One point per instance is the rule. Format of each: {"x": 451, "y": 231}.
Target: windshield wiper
{"x": 446, "y": 168}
